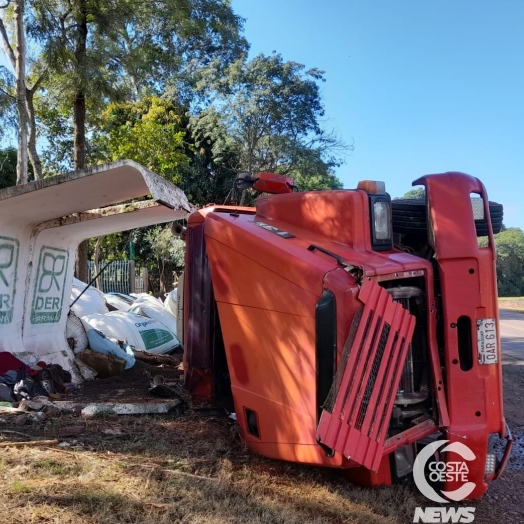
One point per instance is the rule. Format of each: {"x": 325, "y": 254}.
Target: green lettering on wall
{"x": 48, "y": 296}
{"x": 9, "y": 248}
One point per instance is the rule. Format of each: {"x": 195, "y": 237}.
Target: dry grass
{"x": 184, "y": 468}
{"x": 145, "y": 475}
{"x": 513, "y": 303}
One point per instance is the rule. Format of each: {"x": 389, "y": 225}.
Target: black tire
{"x": 483, "y": 231}
{"x": 405, "y": 215}
{"x": 410, "y": 220}
{"x": 410, "y": 216}
{"x": 495, "y": 208}
{"x": 401, "y": 206}
{"x": 409, "y": 205}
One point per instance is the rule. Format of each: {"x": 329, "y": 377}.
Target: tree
{"x": 172, "y": 42}
{"x": 168, "y": 252}
{"x": 8, "y": 109}
{"x": 75, "y": 38}
{"x": 510, "y": 261}
{"x": 149, "y": 132}
{"x": 417, "y": 194}
{"x": 23, "y": 96}
{"x": 265, "y": 113}
{"x": 207, "y": 180}
{"x": 7, "y": 167}
{"x": 104, "y": 51}
{"x": 135, "y": 41}
{"x": 8, "y": 161}
{"x": 312, "y": 173}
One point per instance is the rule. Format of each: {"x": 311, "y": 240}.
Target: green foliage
{"x": 165, "y": 247}
{"x": 7, "y": 167}
{"x": 149, "y": 132}
{"x": 312, "y": 173}
{"x": 206, "y": 180}
{"x": 76, "y": 42}
{"x": 7, "y": 102}
{"x": 265, "y": 115}
{"x": 114, "y": 246}
{"x": 165, "y": 256}
{"x": 56, "y": 26}
{"x": 8, "y": 159}
{"x": 57, "y": 124}
{"x": 132, "y": 49}
{"x": 316, "y": 181}
{"x": 172, "y": 42}
{"x": 510, "y": 261}
{"x": 153, "y": 132}
{"x": 417, "y": 193}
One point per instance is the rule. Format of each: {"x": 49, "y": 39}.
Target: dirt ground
{"x": 504, "y": 501}
{"x": 190, "y": 466}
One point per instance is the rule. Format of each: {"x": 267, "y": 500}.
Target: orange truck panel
{"x": 336, "y": 350}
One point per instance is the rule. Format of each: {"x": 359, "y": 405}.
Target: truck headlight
{"x": 381, "y": 231}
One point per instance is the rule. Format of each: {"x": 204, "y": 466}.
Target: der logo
{"x": 8, "y": 274}
{"x": 49, "y": 285}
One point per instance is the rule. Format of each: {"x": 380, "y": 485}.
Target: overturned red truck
{"x": 347, "y": 330}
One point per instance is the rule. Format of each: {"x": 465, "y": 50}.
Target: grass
{"x": 56, "y": 468}
{"x": 187, "y": 470}
{"x": 18, "y": 487}
{"x": 513, "y": 303}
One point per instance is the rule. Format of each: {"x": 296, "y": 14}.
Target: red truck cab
{"x": 347, "y": 330}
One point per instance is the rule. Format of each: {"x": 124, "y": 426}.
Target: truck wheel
{"x": 410, "y": 216}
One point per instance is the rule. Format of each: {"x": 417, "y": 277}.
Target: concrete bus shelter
{"x": 42, "y": 224}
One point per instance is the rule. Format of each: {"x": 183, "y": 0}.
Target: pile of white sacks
{"x": 134, "y": 322}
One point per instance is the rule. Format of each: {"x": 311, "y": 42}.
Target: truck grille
{"x": 356, "y": 414}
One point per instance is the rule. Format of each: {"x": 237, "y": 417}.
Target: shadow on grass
{"x": 128, "y": 478}
{"x": 187, "y": 500}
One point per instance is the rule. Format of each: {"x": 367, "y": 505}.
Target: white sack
{"x": 171, "y": 302}
{"x": 92, "y": 301}
{"x": 140, "y": 332}
{"x": 155, "y": 310}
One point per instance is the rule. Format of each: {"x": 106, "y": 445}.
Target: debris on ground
{"x": 93, "y": 410}
{"x": 145, "y": 390}
{"x": 86, "y": 372}
{"x": 5, "y": 409}
{"x": 173, "y": 360}
{"x": 104, "y": 365}
{"x": 28, "y": 443}
{"x": 71, "y": 431}
{"x": 198, "y": 459}
{"x": 19, "y": 382}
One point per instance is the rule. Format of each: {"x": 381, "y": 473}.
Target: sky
{"x": 417, "y": 86}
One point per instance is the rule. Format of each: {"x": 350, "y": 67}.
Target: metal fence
{"x": 142, "y": 281}
{"x": 120, "y": 277}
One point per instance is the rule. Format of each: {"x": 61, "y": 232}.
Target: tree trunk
{"x": 31, "y": 147}
{"x": 79, "y": 110}
{"x": 20, "y": 54}
{"x": 80, "y": 131}
{"x": 81, "y": 261}
{"x": 24, "y": 97}
{"x": 79, "y": 119}
{"x": 96, "y": 269}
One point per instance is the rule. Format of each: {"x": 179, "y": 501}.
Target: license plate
{"x": 487, "y": 341}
